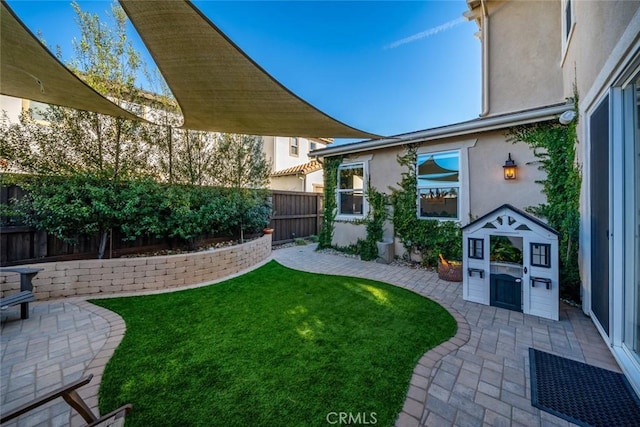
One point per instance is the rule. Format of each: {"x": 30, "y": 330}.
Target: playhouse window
{"x": 540, "y": 255}
{"x": 476, "y": 248}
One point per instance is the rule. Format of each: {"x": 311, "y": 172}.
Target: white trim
{"x": 459, "y": 129}
{"x": 616, "y": 216}
{"x": 365, "y": 181}
{"x": 458, "y": 151}
{"x": 364, "y": 158}
{"x": 631, "y": 234}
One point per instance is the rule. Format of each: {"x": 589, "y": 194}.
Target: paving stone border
{"x": 414, "y": 405}
{"x": 117, "y": 329}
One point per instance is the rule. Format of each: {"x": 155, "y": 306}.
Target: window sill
{"x": 438, "y": 219}
{"x": 349, "y": 218}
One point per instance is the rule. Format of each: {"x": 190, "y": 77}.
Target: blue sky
{"x": 383, "y": 67}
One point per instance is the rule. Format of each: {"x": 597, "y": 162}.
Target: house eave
{"x": 485, "y": 124}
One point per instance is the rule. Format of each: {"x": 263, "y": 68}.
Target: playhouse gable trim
{"x": 490, "y": 218}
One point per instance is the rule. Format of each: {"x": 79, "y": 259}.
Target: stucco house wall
{"x": 524, "y": 56}
{"x": 599, "y": 26}
{"x": 482, "y": 184}
{"x": 489, "y": 189}
{"x": 287, "y": 183}
{"x": 11, "y": 106}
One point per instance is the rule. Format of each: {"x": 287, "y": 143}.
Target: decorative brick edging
{"x": 96, "y": 277}
{"x": 96, "y": 367}
{"x": 414, "y": 405}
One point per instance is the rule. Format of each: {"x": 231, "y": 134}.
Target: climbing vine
{"x": 554, "y": 145}
{"x": 368, "y": 248}
{"x": 331, "y": 165}
{"x": 429, "y": 237}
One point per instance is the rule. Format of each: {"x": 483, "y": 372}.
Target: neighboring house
{"x": 533, "y": 55}
{"x": 292, "y": 168}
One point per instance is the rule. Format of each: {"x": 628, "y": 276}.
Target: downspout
{"x": 275, "y": 148}
{"x": 485, "y": 60}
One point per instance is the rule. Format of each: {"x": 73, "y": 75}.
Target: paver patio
{"x": 480, "y": 377}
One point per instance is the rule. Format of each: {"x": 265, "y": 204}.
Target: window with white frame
{"x": 293, "y": 147}
{"x": 351, "y": 189}
{"x": 439, "y": 185}
{"x": 312, "y": 146}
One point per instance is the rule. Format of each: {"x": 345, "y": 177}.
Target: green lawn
{"x": 274, "y": 347}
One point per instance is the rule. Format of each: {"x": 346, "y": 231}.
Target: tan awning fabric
{"x": 432, "y": 171}
{"x": 218, "y": 87}
{"x": 28, "y": 70}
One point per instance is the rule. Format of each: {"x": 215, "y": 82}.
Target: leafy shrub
{"x": 429, "y": 237}
{"x": 85, "y": 204}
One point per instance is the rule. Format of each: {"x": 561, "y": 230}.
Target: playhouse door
{"x": 506, "y": 292}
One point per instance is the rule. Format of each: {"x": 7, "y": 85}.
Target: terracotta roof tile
{"x": 305, "y": 168}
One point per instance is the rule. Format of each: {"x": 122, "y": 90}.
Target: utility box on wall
{"x": 531, "y": 286}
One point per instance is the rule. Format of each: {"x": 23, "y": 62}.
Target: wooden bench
{"x": 71, "y": 396}
{"x": 25, "y": 296}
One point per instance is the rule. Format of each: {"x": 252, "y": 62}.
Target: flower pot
{"x": 449, "y": 270}
{"x": 268, "y": 231}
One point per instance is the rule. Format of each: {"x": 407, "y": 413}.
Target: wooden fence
{"x": 295, "y": 215}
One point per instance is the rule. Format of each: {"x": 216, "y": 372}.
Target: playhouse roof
{"x": 516, "y": 211}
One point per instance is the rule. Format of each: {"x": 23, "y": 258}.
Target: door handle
{"x": 524, "y": 270}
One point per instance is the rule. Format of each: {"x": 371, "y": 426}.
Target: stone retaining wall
{"x": 93, "y": 277}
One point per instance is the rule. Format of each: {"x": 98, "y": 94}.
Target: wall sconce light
{"x": 510, "y": 169}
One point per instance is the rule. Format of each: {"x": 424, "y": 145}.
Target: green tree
{"x": 113, "y": 166}
{"x": 240, "y": 162}
{"x": 242, "y": 166}
{"x": 98, "y": 150}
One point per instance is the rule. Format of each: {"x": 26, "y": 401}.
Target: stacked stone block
{"x": 110, "y": 276}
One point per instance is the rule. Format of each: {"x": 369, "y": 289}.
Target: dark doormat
{"x": 581, "y": 393}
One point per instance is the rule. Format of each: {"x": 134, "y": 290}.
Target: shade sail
{"x": 432, "y": 171}
{"x": 28, "y": 70}
{"x": 218, "y": 87}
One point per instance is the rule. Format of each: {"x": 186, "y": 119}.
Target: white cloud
{"x": 427, "y": 33}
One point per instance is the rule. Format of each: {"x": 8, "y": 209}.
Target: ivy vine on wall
{"x": 368, "y": 248}
{"x": 331, "y": 165}
{"x": 554, "y": 145}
